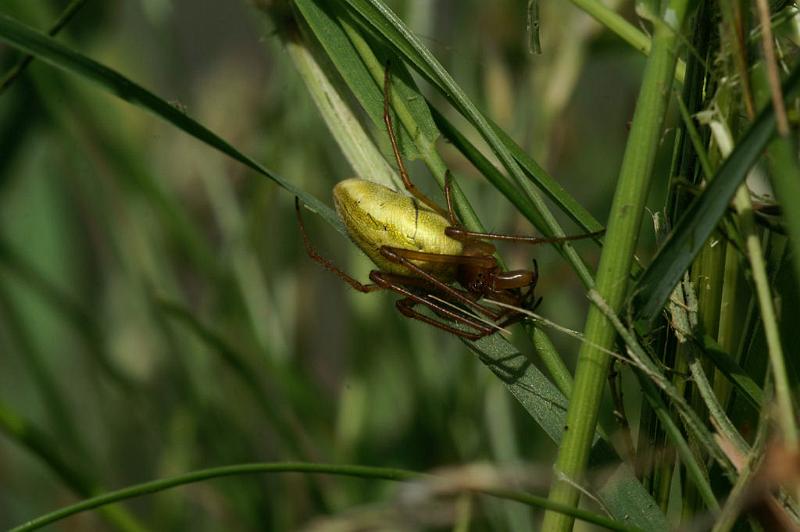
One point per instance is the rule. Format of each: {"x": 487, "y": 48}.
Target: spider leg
{"x": 448, "y": 196}
{"x": 398, "y": 283}
{"x": 460, "y": 233}
{"x": 401, "y": 167}
{"x": 327, "y": 264}
{"x": 406, "y": 307}
{"x": 404, "y": 257}
{"x": 394, "y": 254}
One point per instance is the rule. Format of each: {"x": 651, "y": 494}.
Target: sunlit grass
{"x": 159, "y": 316}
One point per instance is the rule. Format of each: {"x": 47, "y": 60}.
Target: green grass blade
{"x": 381, "y": 19}
{"x": 367, "y": 86}
{"x": 51, "y": 51}
{"x": 356, "y": 145}
{"x": 22, "y": 63}
{"x": 537, "y": 395}
{"x": 624, "y": 492}
{"x": 616, "y": 261}
{"x": 357, "y": 471}
{"x": 702, "y": 216}
{"x": 748, "y": 387}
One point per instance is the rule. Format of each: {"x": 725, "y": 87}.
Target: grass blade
{"x": 700, "y": 219}
{"x": 617, "y": 259}
{"x": 381, "y": 19}
{"x": 626, "y": 498}
{"x": 357, "y": 471}
{"x": 66, "y": 16}
{"x": 51, "y": 51}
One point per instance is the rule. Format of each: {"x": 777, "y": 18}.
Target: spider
{"x": 424, "y": 253}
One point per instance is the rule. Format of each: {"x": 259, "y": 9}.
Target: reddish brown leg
{"x": 459, "y": 233}
{"x": 328, "y": 265}
{"x": 406, "y": 307}
{"x": 530, "y": 302}
{"x": 388, "y": 281}
{"x": 405, "y": 256}
{"x": 401, "y": 167}
{"x": 398, "y": 283}
{"x": 448, "y": 196}
{"x": 481, "y": 261}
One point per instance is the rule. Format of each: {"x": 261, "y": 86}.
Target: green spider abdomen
{"x": 377, "y": 216}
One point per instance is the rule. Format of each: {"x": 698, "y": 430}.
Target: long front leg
{"x": 401, "y": 167}
{"x": 327, "y": 264}
{"x": 459, "y": 233}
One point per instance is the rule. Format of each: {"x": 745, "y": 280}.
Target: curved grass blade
{"x": 51, "y": 51}
{"x": 687, "y": 239}
{"x": 357, "y": 471}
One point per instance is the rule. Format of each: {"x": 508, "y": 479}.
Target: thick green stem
{"x": 617, "y": 259}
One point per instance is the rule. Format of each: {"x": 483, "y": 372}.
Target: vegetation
{"x": 162, "y": 326}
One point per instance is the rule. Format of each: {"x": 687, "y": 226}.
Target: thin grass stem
{"x": 358, "y": 471}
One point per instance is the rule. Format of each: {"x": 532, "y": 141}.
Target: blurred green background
{"x": 158, "y": 313}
